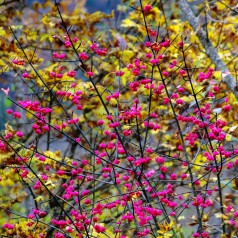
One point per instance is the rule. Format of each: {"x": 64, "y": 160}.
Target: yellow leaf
{"x": 46, "y": 20}
{"x": 128, "y": 23}
{"x": 39, "y": 198}
{"x": 126, "y": 127}
{"x": 175, "y": 26}
{"x": 165, "y": 236}
{"x": 207, "y": 6}
{"x": 5, "y": 156}
{"x": 2, "y": 31}
{"x": 165, "y": 227}
{"x": 229, "y": 137}
{"x": 168, "y": 164}
{"x": 200, "y": 160}
{"x": 127, "y": 55}
{"x": 221, "y": 6}
{"x": 17, "y": 27}
{"x": 217, "y": 75}
{"x": 186, "y": 99}
{"x": 52, "y": 155}
{"x": 125, "y": 78}
{"x": 97, "y": 16}
{"x": 162, "y": 108}
{"x": 202, "y": 182}
{"x": 205, "y": 217}
{"x": 45, "y": 36}
{"x": 8, "y": 128}
{"x": 113, "y": 102}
